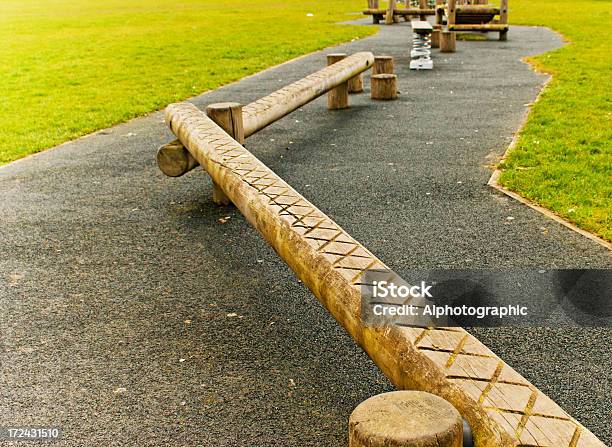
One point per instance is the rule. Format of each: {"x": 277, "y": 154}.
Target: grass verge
{"x": 563, "y": 159}
{"x": 68, "y": 68}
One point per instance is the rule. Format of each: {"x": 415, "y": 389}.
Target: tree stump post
{"x": 228, "y": 116}
{"x": 405, "y": 418}
{"x": 383, "y": 65}
{"x": 390, "y": 15}
{"x": 447, "y": 41}
{"x": 384, "y": 86}
{"x": 435, "y": 38}
{"x": 338, "y": 97}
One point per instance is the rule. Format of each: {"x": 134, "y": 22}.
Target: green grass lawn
{"x": 563, "y": 160}
{"x": 70, "y": 67}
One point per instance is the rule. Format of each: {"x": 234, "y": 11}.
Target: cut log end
{"x": 384, "y": 86}
{"x": 405, "y": 418}
{"x": 174, "y": 160}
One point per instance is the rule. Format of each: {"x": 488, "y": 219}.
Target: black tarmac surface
{"x": 130, "y": 316}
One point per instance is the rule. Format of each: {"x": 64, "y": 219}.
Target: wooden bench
{"x": 393, "y": 12}
{"x": 474, "y": 15}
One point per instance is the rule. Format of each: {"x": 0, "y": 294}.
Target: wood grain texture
{"x": 265, "y": 111}
{"x": 384, "y": 86}
{"x": 503, "y": 408}
{"x": 405, "y": 418}
{"x": 383, "y": 65}
{"x": 337, "y": 98}
{"x": 448, "y": 41}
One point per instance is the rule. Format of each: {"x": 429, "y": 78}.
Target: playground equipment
{"x": 342, "y": 76}
{"x": 502, "y": 408}
{"x": 411, "y": 8}
{"x": 421, "y": 47}
{"x": 474, "y": 15}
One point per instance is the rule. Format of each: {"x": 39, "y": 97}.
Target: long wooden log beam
{"x": 502, "y": 407}
{"x": 402, "y": 11}
{"x": 174, "y": 161}
{"x": 479, "y": 27}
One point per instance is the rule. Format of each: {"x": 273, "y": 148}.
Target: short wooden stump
{"x": 448, "y": 41}
{"x": 435, "y": 38}
{"x": 384, "y": 86}
{"x": 383, "y": 65}
{"x": 405, "y": 419}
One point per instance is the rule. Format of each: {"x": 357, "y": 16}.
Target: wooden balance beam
{"x": 174, "y": 160}
{"x": 502, "y": 408}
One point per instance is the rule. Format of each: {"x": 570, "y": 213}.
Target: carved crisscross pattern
{"x": 313, "y": 82}
{"x": 518, "y": 407}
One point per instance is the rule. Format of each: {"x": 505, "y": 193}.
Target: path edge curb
{"x": 494, "y": 179}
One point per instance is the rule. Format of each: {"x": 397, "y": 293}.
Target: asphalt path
{"x": 130, "y": 316}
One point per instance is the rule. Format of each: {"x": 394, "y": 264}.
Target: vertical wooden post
{"x": 503, "y": 18}
{"x": 338, "y": 97}
{"x": 228, "y": 116}
{"x": 423, "y": 5}
{"x": 435, "y": 38}
{"x": 447, "y": 42}
{"x": 372, "y": 4}
{"x": 439, "y": 12}
{"x": 383, "y": 65}
{"x": 390, "y": 16}
{"x": 452, "y": 12}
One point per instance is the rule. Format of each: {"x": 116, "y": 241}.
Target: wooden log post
{"x": 174, "y": 160}
{"x": 405, "y": 418}
{"x": 384, "y": 86}
{"x": 337, "y": 98}
{"x": 355, "y": 85}
{"x": 503, "y": 19}
{"x": 383, "y": 65}
{"x": 451, "y": 13}
{"x": 373, "y": 5}
{"x": 390, "y": 15}
{"x": 422, "y": 7}
{"x": 446, "y": 361}
{"x": 228, "y": 116}
{"x": 448, "y": 41}
{"x": 435, "y": 38}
